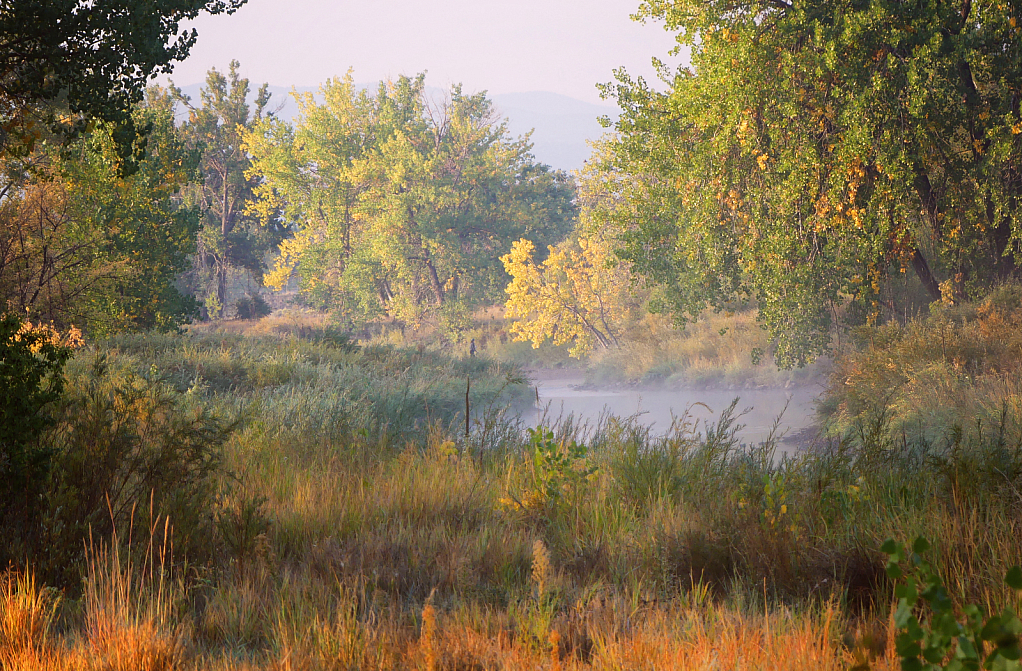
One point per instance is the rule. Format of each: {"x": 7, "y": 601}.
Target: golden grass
{"x": 958, "y": 365}
{"x": 713, "y": 351}
{"x": 350, "y": 550}
{"x": 608, "y": 632}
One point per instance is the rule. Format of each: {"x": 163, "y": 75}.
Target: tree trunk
{"x": 922, "y": 269}
{"x": 434, "y": 280}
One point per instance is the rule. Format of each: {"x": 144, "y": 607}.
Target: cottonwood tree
{"x": 401, "y": 204}
{"x": 815, "y": 149}
{"x": 581, "y": 294}
{"x": 65, "y": 63}
{"x": 233, "y": 234}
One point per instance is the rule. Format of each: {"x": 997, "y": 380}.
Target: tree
{"x": 84, "y": 245}
{"x": 814, "y": 150}
{"x": 64, "y": 63}
{"x": 233, "y": 235}
{"x": 402, "y": 205}
{"x": 582, "y": 293}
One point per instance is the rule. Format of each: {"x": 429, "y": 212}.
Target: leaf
{"x": 992, "y": 630}
{"x": 903, "y": 614}
{"x": 1014, "y": 578}
{"x": 966, "y": 650}
{"x": 907, "y": 646}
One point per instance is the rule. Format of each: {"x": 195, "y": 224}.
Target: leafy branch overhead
{"x": 65, "y": 63}
{"x": 814, "y": 152}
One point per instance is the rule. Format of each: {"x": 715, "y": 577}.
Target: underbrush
{"x": 951, "y": 378}
{"x": 718, "y": 350}
{"x": 348, "y": 522}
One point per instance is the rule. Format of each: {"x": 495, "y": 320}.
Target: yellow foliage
{"x": 577, "y": 295}
{"x": 71, "y": 338}
{"x": 582, "y": 293}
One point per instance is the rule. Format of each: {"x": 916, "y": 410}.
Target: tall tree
{"x": 402, "y": 204}
{"x": 233, "y": 234}
{"x": 815, "y": 148}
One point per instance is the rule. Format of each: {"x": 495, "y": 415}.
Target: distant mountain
{"x": 561, "y": 125}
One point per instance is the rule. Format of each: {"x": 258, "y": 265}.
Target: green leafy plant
{"x": 31, "y": 364}
{"x": 559, "y": 467}
{"x": 31, "y": 376}
{"x": 557, "y": 471}
{"x": 946, "y": 640}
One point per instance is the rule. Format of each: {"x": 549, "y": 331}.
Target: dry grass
{"x": 358, "y": 632}
{"x": 954, "y": 367}
{"x": 346, "y": 537}
{"x": 715, "y": 351}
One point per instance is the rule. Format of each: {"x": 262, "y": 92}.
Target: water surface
{"x": 561, "y": 395}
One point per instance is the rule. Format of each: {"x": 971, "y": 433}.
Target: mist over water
{"x": 760, "y": 407}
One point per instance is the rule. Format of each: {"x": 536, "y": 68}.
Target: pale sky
{"x": 563, "y": 46}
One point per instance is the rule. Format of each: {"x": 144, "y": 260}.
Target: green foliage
{"x": 31, "y": 375}
{"x": 82, "y": 245}
{"x": 31, "y": 366}
{"x": 241, "y": 525}
{"x": 645, "y": 470}
{"x": 815, "y": 151}
{"x": 252, "y": 306}
{"x": 401, "y": 205}
{"x": 948, "y": 640}
{"x": 560, "y": 467}
{"x": 141, "y": 233}
{"x": 66, "y": 63}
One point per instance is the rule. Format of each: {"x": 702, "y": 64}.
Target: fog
{"x": 759, "y": 408}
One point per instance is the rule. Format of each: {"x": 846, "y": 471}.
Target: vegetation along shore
{"x": 268, "y": 386}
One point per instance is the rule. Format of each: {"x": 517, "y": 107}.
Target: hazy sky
{"x": 564, "y": 46}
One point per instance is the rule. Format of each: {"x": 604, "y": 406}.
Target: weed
{"x": 947, "y": 641}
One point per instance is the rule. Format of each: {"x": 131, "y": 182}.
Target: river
{"x": 563, "y": 392}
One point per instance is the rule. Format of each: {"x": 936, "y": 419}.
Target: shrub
{"x": 31, "y": 365}
{"x": 947, "y": 641}
{"x": 252, "y": 306}
{"x": 127, "y": 450}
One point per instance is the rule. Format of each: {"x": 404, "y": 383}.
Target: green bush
{"x": 31, "y": 365}
{"x": 252, "y": 306}
{"x": 129, "y": 456}
{"x": 946, "y": 639}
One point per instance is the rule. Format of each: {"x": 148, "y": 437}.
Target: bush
{"x": 947, "y": 641}
{"x": 31, "y": 365}
{"x": 127, "y": 451}
{"x": 252, "y": 306}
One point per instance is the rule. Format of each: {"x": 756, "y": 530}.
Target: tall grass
{"x": 355, "y": 526}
